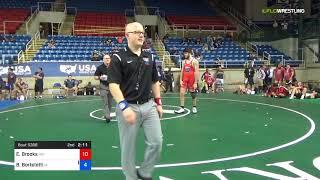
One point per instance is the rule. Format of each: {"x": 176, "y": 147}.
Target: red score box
{"x": 85, "y": 154}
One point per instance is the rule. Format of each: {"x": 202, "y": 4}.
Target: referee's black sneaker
{"x": 142, "y": 178}
{"x": 108, "y": 120}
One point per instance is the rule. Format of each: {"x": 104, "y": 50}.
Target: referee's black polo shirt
{"x": 102, "y": 70}
{"x": 128, "y": 69}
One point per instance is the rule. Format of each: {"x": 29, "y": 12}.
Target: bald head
{"x": 106, "y": 59}
{"x": 134, "y": 26}
{"x": 135, "y": 35}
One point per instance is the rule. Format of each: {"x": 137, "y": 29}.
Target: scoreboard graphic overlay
{"x": 52, "y": 155}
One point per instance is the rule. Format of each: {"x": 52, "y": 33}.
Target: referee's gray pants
{"x": 107, "y": 100}
{"x": 148, "y": 119}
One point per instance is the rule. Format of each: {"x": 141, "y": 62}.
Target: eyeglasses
{"x": 137, "y": 32}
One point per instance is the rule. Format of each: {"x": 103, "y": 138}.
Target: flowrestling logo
{"x": 282, "y": 11}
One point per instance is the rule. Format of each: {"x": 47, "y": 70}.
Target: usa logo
{"x": 146, "y": 61}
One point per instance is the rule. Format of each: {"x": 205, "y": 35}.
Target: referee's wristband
{"x": 158, "y": 101}
{"x": 123, "y": 105}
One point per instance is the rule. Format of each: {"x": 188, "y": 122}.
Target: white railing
{"x": 7, "y": 55}
{"x": 315, "y": 58}
{"x": 75, "y": 15}
{"x": 31, "y": 17}
{"x": 266, "y": 55}
{"x": 61, "y": 23}
{"x": 129, "y": 12}
{"x": 161, "y": 27}
{"x": 175, "y": 29}
{"x": 252, "y": 47}
{"x": 52, "y": 6}
{"x": 143, "y": 10}
{"x": 292, "y": 61}
{"x": 170, "y": 57}
{"x": 243, "y": 20}
{"x": 30, "y": 44}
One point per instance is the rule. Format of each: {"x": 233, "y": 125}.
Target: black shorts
{"x": 250, "y": 81}
{"x": 38, "y": 88}
{"x": 9, "y": 87}
{"x": 298, "y": 95}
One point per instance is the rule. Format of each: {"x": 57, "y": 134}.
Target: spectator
{"x": 109, "y": 42}
{"x": 282, "y": 91}
{"x": 161, "y": 77}
{"x": 243, "y": 90}
{"x": 70, "y": 85}
{"x": 197, "y": 56}
{"x": 289, "y": 74}
{"x": 205, "y": 47}
{"x": 115, "y": 49}
{"x": 2, "y": 88}
{"x": 249, "y": 23}
{"x": 261, "y": 75}
{"x": 284, "y": 25}
{"x": 209, "y": 40}
{"x": 315, "y": 92}
{"x": 219, "y": 76}
{"x": 268, "y": 78}
{"x": 219, "y": 62}
{"x": 165, "y": 38}
{"x": 275, "y": 24}
{"x": 120, "y": 39}
{"x": 169, "y": 80}
{"x": 208, "y": 80}
{"x": 52, "y": 44}
{"x": 299, "y": 91}
{"x": 198, "y": 41}
{"x": 11, "y": 80}
{"x": 89, "y": 89}
{"x": 95, "y": 55}
{"x": 38, "y": 87}
{"x": 146, "y": 47}
{"x": 248, "y": 75}
{"x": 174, "y": 51}
{"x": 21, "y": 90}
{"x": 272, "y": 90}
{"x": 279, "y": 74}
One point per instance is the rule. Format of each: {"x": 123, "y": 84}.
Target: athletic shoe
{"x": 194, "y": 110}
{"x": 142, "y": 178}
{"x": 108, "y": 120}
{"x": 180, "y": 111}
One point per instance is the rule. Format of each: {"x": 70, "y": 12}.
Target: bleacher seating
{"x": 77, "y": 48}
{"x": 20, "y": 3}
{"x": 200, "y": 15}
{"x": 100, "y": 24}
{"x": 10, "y": 46}
{"x": 178, "y": 7}
{"x": 101, "y": 6}
{"x": 202, "y": 22}
{"x": 18, "y": 15}
{"x": 229, "y": 51}
{"x": 277, "y": 56}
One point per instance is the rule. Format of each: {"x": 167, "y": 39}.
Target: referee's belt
{"x": 138, "y": 101}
